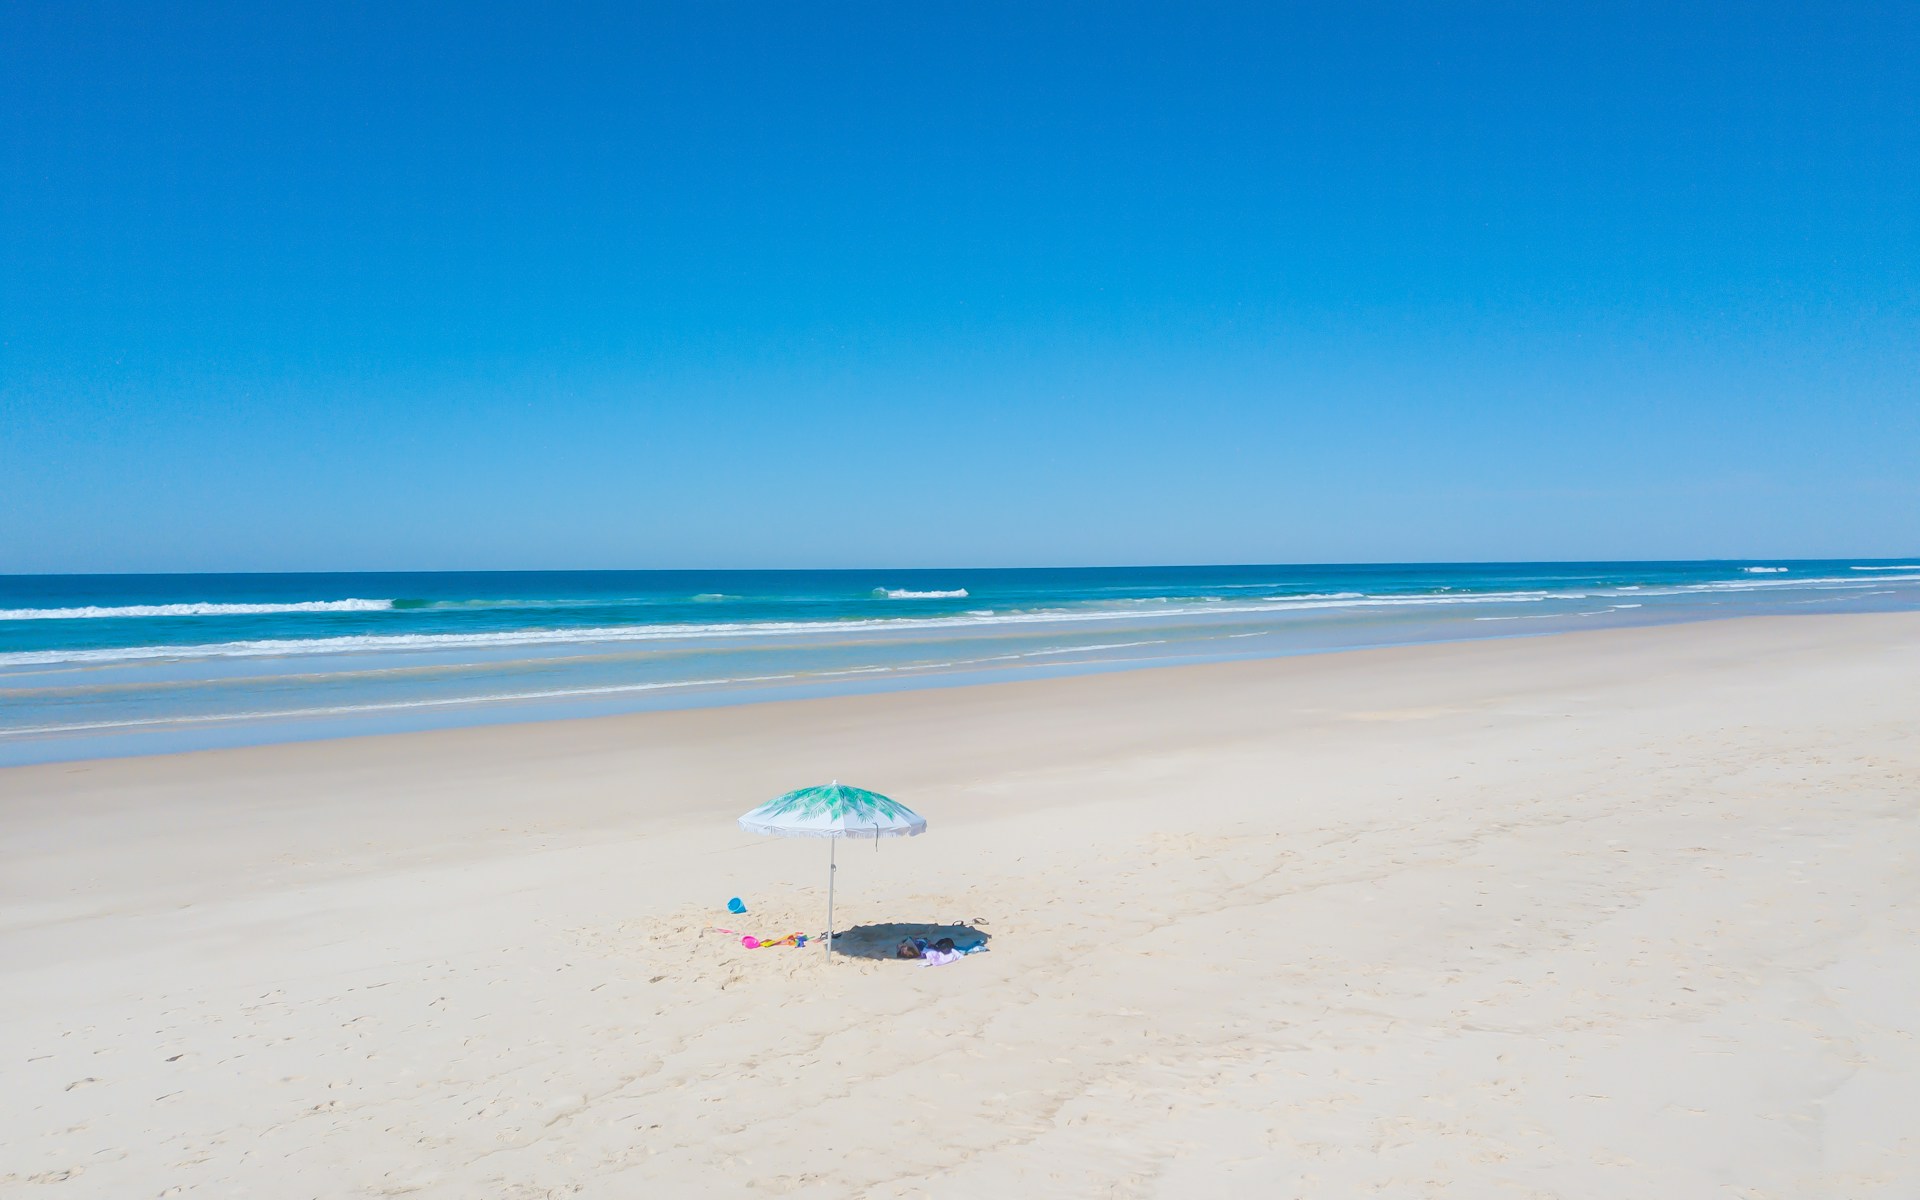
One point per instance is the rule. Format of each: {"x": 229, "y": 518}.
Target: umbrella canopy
{"x": 834, "y": 810}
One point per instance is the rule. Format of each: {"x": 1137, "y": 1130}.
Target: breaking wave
{"x": 715, "y": 631}
{"x": 382, "y": 643}
{"x": 192, "y": 610}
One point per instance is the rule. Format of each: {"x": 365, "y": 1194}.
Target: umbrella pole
{"x": 832, "y": 844}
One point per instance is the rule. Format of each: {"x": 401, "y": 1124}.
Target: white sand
{"x": 1626, "y": 914}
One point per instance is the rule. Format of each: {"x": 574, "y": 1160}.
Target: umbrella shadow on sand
{"x": 883, "y": 940}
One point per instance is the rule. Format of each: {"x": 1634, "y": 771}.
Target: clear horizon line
{"x": 1118, "y": 566}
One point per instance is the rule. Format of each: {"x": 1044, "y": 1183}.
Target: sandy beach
{"x": 1627, "y": 913}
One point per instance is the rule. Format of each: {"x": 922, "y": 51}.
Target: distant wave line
{"x": 351, "y": 643}
{"x": 692, "y": 632}
{"x": 91, "y": 612}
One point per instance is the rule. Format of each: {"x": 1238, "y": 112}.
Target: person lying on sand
{"x": 921, "y": 948}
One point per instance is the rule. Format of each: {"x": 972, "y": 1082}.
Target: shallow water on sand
{"x": 106, "y": 665}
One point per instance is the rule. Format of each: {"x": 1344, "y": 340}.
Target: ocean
{"x": 102, "y": 665}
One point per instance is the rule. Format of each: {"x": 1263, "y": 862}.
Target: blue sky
{"x": 340, "y": 287}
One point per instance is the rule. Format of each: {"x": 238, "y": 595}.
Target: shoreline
{"x": 146, "y": 669}
{"x": 1600, "y": 913}
{"x": 326, "y": 726}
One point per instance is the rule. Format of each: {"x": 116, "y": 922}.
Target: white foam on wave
{"x": 190, "y": 610}
{"x": 388, "y": 643}
{"x": 1750, "y": 585}
{"x": 904, "y": 594}
{"x": 1765, "y": 570}
{"x": 1906, "y": 567}
{"x": 513, "y": 602}
{"x": 403, "y": 642}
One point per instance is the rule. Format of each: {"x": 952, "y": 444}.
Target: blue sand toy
{"x": 736, "y": 906}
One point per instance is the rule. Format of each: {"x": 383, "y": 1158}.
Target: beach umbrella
{"x": 834, "y": 811}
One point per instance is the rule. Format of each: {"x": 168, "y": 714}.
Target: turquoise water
{"x": 105, "y": 665}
